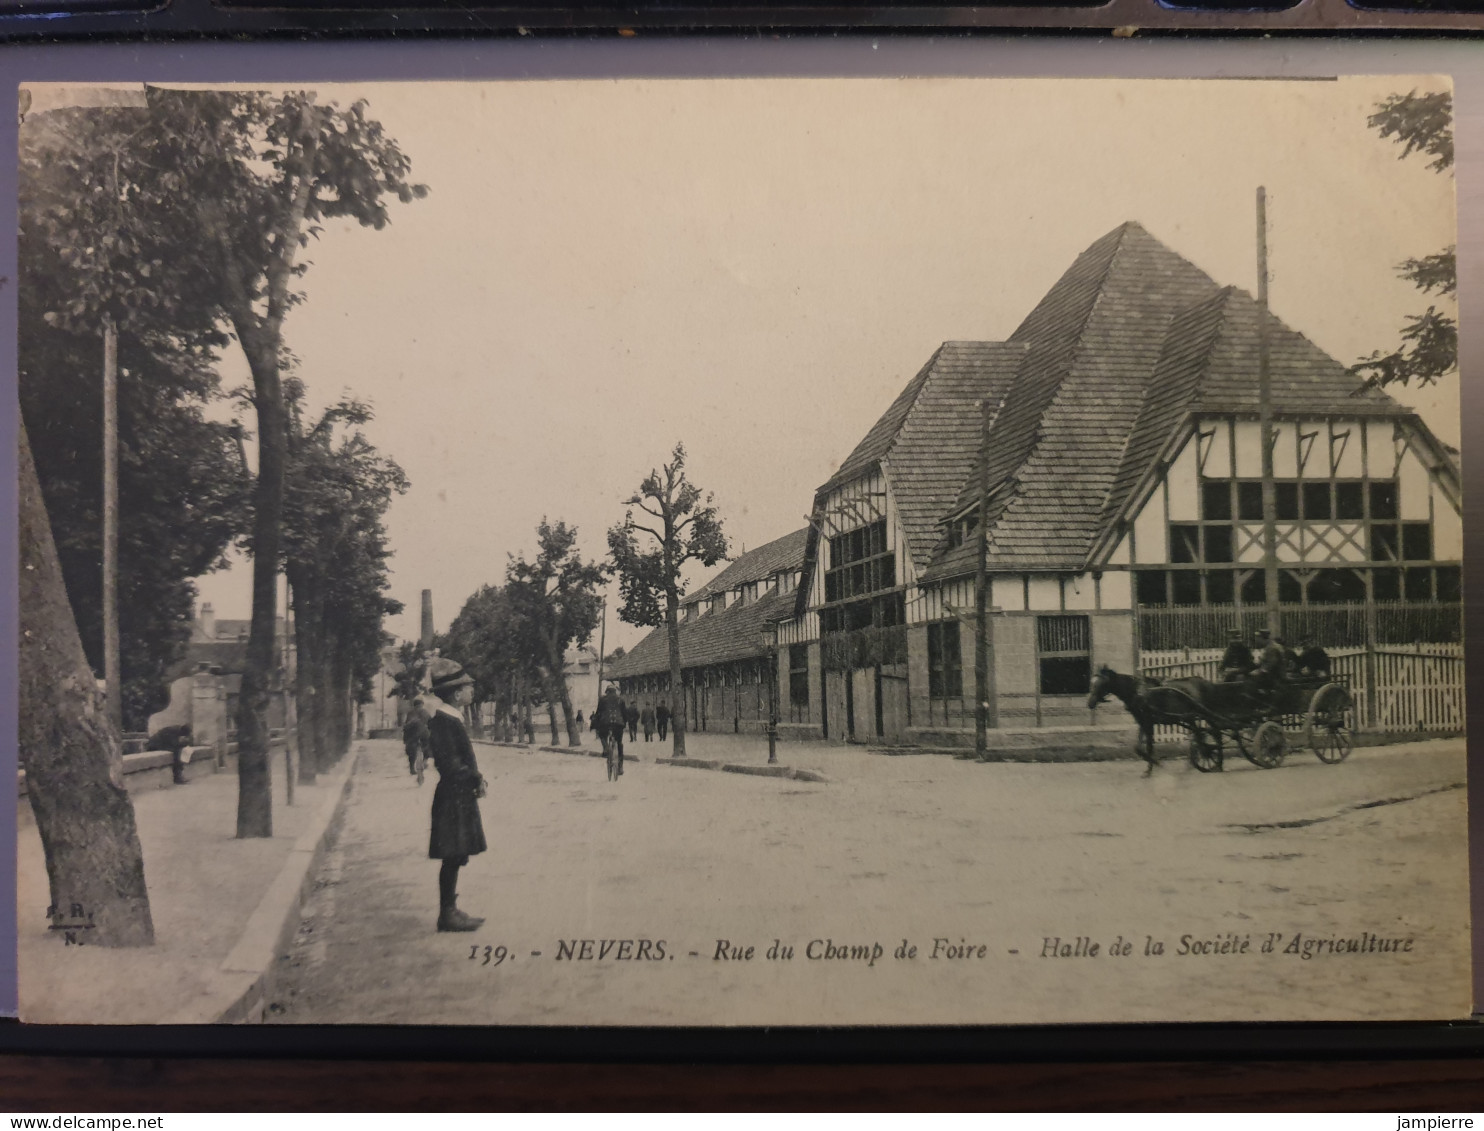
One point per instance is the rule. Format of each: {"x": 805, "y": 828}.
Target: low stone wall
{"x": 150, "y": 769}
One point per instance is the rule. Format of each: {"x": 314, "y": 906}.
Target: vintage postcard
{"x": 741, "y": 552}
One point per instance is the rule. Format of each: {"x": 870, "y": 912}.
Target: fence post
{"x": 1372, "y": 690}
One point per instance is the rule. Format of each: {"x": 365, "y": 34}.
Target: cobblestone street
{"x": 993, "y": 860}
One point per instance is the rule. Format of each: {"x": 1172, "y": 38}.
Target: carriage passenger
{"x": 1236, "y": 661}
{"x": 1313, "y": 660}
{"x": 1271, "y": 665}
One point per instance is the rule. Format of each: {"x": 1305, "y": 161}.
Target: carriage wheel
{"x": 1205, "y": 749}
{"x": 1328, "y": 726}
{"x": 1269, "y": 745}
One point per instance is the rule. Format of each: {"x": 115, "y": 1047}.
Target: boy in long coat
{"x": 457, "y": 832}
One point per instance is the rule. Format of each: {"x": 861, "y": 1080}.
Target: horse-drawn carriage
{"x": 1319, "y": 710}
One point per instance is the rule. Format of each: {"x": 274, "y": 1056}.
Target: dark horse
{"x": 1152, "y": 702}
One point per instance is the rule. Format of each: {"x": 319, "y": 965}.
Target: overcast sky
{"x": 756, "y": 267}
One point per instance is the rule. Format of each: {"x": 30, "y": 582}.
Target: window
{"x": 860, "y": 563}
{"x": 1417, "y": 541}
{"x": 1286, "y": 502}
{"x": 798, "y": 675}
{"x": 1064, "y": 653}
{"x": 1216, "y": 500}
{"x": 1419, "y": 584}
{"x": 1185, "y": 587}
{"x": 945, "y": 661}
{"x": 1185, "y": 544}
{"x": 1349, "y": 501}
{"x": 1383, "y": 499}
{"x": 1249, "y": 501}
{"x": 1150, "y": 587}
{"x": 1450, "y": 584}
{"x": 1317, "y": 503}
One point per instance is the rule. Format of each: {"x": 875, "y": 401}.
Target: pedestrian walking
{"x": 174, "y": 739}
{"x": 415, "y": 738}
{"x": 608, "y": 721}
{"x": 662, "y": 718}
{"x": 646, "y": 720}
{"x": 631, "y": 717}
{"x": 457, "y": 831}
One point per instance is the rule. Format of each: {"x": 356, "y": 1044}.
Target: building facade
{"x": 1112, "y": 448}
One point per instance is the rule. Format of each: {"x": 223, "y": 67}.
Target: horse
{"x": 1152, "y": 702}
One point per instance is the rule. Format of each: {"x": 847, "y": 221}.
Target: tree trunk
{"x": 677, "y": 694}
{"x": 254, "y": 770}
{"x": 71, "y": 753}
{"x": 306, "y": 639}
{"x": 344, "y": 709}
{"x": 559, "y": 683}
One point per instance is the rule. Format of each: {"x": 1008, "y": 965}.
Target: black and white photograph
{"x": 757, "y": 551}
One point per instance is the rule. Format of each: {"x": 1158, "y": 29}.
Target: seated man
{"x": 1271, "y": 667}
{"x": 1313, "y": 660}
{"x": 1236, "y": 661}
{"x": 174, "y": 739}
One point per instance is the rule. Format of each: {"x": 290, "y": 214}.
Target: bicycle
{"x": 611, "y": 756}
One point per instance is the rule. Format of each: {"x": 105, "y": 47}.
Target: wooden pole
{"x": 984, "y": 710}
{"x": 602, "y": 645}
{"x": 1265, "y": 415}
{"x": 111, "y": 665}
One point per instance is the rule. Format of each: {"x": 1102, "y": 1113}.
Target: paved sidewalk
{"x": 204, "y": 885}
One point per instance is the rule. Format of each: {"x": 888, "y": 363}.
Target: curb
{"x": 756, "y": 770}
{"x": 246, "y": 974}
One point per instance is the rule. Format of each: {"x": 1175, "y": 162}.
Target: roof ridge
{"x": 1038, "y": 432}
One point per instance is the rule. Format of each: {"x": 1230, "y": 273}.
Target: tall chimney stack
{"x": 427, "y": 637}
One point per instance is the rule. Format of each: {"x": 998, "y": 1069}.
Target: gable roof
{"x": 786, "y": 553}
{"x": 1094, "y": 341}
{"x": 733, "y": 633}
{"x": 1130, "y": 341}
{"x": 940, "y": 436}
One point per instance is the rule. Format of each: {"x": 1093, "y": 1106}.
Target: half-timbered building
{"x": 728, "y": 644}
{"x": 1122, "y": 471}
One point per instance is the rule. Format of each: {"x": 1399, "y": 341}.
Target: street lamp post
{"x": 770, "y": 644}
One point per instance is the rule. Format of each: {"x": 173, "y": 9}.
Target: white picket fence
{"x": 1417, "y": 687}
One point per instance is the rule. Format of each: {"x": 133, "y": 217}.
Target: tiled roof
{"x": 883, "y": 433}
{"x": 733, "y": 633}
{"x": 786, "y": 553}
{"x": 939, "y": 438}
{"x": 1126, "y": 343}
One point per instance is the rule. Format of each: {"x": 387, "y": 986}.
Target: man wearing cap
{"x": 1270, "y": 664}
{"x": 609, "y": 719}
{"x": 457, "y": 831}
{"x": 415, "y": 735}
{"x": 1236, "y": 661}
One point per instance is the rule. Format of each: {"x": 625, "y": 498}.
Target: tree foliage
{"x": 1421, "y": 124}
{"x": 338, "y": 487}
{"x": 556, "y": 603}
{"x": 650, "y": 557}
{"x": 183, "y": 490}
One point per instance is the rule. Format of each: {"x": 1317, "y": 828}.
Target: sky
{"x": 756, "y": 267}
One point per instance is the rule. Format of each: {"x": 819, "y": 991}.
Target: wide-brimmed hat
{"x": 445, "y": 675}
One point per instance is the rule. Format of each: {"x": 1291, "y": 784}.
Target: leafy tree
{"x": 556, "y": 604}
{"x": 685, "y": 528}
{"x": 1422, "y": 124}
{"x": 483, "y": 637}
{"x": 182, "y": 486}
{"x": 337, "y": 490}
{"x": 208, "y": 203}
